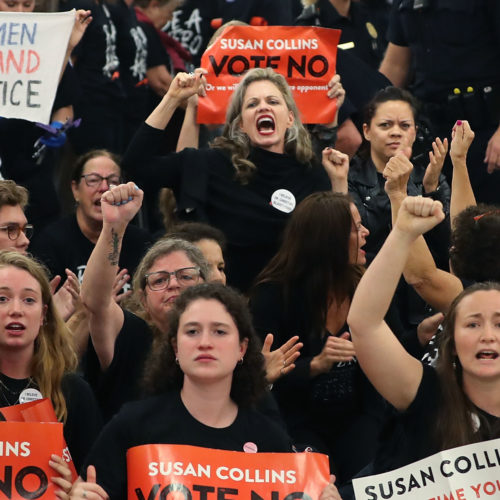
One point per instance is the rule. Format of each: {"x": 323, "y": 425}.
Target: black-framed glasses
{"x": 159, "y": 280}
{"x": 14, "y": 230}
{"x": 94, "y": 180}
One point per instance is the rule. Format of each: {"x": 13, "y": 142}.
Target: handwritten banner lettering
{"x": 305, "y": 56}
{"x": 32, "y": 49}
{"x": 163, "y": 471}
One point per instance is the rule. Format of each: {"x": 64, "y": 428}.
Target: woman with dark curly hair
{"x": 474, "y": 237}
{"x": 204, "y": 380}
{"x": 250, "y": 179}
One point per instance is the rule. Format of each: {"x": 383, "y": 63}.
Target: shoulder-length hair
{"x": 164, "y": 374}
{"x": 160, "y": 249}
{"x": 236, "y": 142}
{"x": 54, "y": 354}
{"x": 315, "y": 253}
{"x": 456, "y": 423}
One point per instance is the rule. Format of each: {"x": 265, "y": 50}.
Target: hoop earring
{"x": 176, "y": 361}
{"x": 240, "y": 362}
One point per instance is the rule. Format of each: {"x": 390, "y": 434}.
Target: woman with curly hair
{"x": 204, "y": 380}
{"x": 36, "y": 354}
{"x": 235, "y": 185}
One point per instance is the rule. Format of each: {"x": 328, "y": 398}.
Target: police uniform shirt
{"x": 454, "y": 43}
{"x": 359, "y": 28}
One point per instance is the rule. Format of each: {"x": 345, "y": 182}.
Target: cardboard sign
{"x": 465, "y": 473}
{"x": 305, "y": 56}
{"x": 179, "y": 472}
{"x": 25, "y": 450}
{"x": 32, "y": 49}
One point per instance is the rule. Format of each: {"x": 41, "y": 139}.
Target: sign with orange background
{"x": 180, "y": 472}
{"x": 25, "y": 450}
{"x": 305, "y": 56}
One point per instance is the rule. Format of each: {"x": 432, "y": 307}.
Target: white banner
{"x": 32, "y": 49}
{"x": 466, "y": 473}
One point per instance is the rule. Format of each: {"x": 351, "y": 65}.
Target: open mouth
{"x": 266, "y": 125}
{"x": 487, "y": 355}
{"x": 15, "y": 327}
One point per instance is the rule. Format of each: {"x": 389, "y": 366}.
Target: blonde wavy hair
{"x": 53, "y": 355}
{"x": 236, "y": 142}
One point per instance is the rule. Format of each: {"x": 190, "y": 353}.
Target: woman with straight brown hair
{"x": 306, "y": 290}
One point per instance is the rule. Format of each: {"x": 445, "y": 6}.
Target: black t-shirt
{"x": 165, "y": 420}
{"x": 62, "y": 245}
{"x": 132, "y": 50}
{"x": 120, "y": 382}
{"x": 17, "y": 140}
{"x": 190, "y": 24}
{"x": 409, "y": 435}
{"x": 206, "y": 190}
{"x": 83, "y": 422}
{"x": 97, "y": 65}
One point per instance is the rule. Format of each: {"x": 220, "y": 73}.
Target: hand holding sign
{"x": 336, "y": 91}
{"x": 185, "y": 85}
{"x": 88, "y": 489}
{"x": 82, "y": 20}
{"x": 64, "y": 479}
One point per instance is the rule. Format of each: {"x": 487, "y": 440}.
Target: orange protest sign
{"x": 25, "y": 450}
{"x": 305, "y": 56}
{"x": 179, "y": 472}
{"x": 40, "y": 411}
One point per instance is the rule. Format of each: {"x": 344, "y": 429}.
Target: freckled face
{"x": 265, "y": 116}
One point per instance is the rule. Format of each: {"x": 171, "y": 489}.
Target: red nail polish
{"x": 459, "y": 122}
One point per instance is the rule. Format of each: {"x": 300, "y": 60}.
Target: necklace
{"x": 14, "y": 394}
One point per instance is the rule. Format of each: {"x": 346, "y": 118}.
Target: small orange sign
{"x": 180, "y": 472}
{"x": 40, "y": 412}
{"x": 25, "y": 450}
{"x": 305, "y": 56}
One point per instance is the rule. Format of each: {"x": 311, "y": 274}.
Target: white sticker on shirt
{"x": 283, "y": 200}
{"x": 29, "y": 395}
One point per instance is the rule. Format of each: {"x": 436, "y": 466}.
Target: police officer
{"x": 361, "y": 33}
{"x": 453, "y": 48}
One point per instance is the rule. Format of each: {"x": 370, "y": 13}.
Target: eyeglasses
{"x": 94, "y": 180}
{"x": 14, "y": 230}
{"x": 159, "y": 280}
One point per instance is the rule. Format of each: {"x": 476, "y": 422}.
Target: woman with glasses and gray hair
{"x": 123, "y": 339}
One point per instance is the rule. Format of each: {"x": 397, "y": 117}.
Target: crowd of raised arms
{"x": 156, "y": 291}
